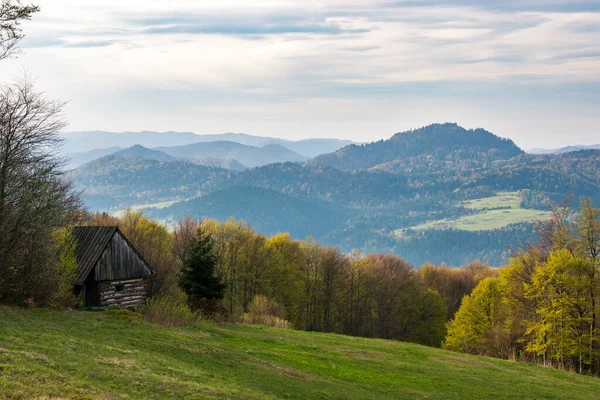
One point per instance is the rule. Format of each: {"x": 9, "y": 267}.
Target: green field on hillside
{"x": 495, "y": 212}
{"x": 45, "y": 354}
{"x": 501, "y": 199}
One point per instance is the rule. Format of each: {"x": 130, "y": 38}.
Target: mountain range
{"x": 82, "y": 147}
{"x": 411, "y": 194}
{"x": 567, "y": 149}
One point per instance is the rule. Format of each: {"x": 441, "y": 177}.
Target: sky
{"x": 361, "y": 70}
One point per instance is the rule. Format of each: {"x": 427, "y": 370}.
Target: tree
{"x": 198, "y": 277}
{"x": 183, "y": 234}
{"x": 473, "y": 328}
{"x": 564, "y": 328}
{"x": 11, "y": 15}
{"x": 35, "y": 197}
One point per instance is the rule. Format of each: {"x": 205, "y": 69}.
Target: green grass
{"x": 502, "y": 199}
{"x": 80, "y": 355}
{"x": 489, "y": 217}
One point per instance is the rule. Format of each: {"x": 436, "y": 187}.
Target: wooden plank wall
{"x": 120, "y": 261}
{"x": 135, "y": 293}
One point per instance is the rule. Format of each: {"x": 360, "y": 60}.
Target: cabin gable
{"x": 120, "y": 261}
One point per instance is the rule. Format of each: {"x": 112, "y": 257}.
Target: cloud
{"x": 241, "y": 30}
{"x": 562, "y": 6}
{"x": 150, "y": 54}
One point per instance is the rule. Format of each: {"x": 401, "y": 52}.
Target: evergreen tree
{"x": 198, "y": 278}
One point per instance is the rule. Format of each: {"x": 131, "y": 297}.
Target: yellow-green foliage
{"x": 471, "y": 329}
{"x": 561, "y": 288}
{"x": 544, "y": 307}
{"x": 66, "y": 266}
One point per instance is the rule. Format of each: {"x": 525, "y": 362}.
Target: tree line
{"x": 316, "y": 288}
{"x": 543, "y": 306}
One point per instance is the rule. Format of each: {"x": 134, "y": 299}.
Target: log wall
{"x": 134, "y": 292}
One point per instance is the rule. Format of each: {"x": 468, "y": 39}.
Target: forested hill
{"x": 139, "y": 151}
{"x": 447, "y": 189}
{"x": 448, "y": 142}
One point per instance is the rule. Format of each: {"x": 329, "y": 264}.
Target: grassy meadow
{"x": 99, "y": 355}
{"x": 494, "y": 213}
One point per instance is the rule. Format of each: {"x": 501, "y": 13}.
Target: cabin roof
{"x": 92, "y": 241}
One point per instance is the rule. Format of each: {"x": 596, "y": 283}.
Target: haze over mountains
{"x": 229, "y": 150}
{"x": 566, "y": 149}
{"x": 399, "y": 195}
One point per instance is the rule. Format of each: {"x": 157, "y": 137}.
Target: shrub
{"x": 264, "y": 311}
{"x": 168, "y": 311}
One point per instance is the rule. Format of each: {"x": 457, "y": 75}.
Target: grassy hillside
{"x": 79, "y": 355}
{"x": 493, "y": 213}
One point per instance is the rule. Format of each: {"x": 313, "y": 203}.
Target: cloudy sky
{"x": 356, "y": 69}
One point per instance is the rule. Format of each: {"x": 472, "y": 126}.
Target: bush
{"x": 264, "y": 311}
{"x": 168, "y": 311}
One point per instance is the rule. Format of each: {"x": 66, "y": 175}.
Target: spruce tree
{"x": 198, "y": 277}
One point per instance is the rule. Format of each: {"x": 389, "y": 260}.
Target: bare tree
{"x": 11, "y": 15}
{"x": 35, "y": 197}
{"x": 184, "y": 233}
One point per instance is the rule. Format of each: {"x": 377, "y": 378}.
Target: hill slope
{"x": 266, "y": 210}
{"x": 84, "y": 355}
{"x": 78, "y": 159}
{"x": 117, "y": 182}
{"x": 139, "y": 151}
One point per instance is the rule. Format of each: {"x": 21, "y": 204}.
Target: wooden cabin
{"x": 110, "y": 271}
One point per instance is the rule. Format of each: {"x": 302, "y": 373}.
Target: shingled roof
{"x": 92, "y": 241}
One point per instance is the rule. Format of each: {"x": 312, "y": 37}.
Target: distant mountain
{"x": 139, "y": 151}
{"x": 313, "y": 147}
{"x": 250, "y": 156}
{"x": 77, "y": 142}
{"x": 226, "y": 163}
{"x": 80, "y": 142}
{"x": 77, "y": 159}
{"x": 567, "y": 149}
{"x": 447, "y": 143}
